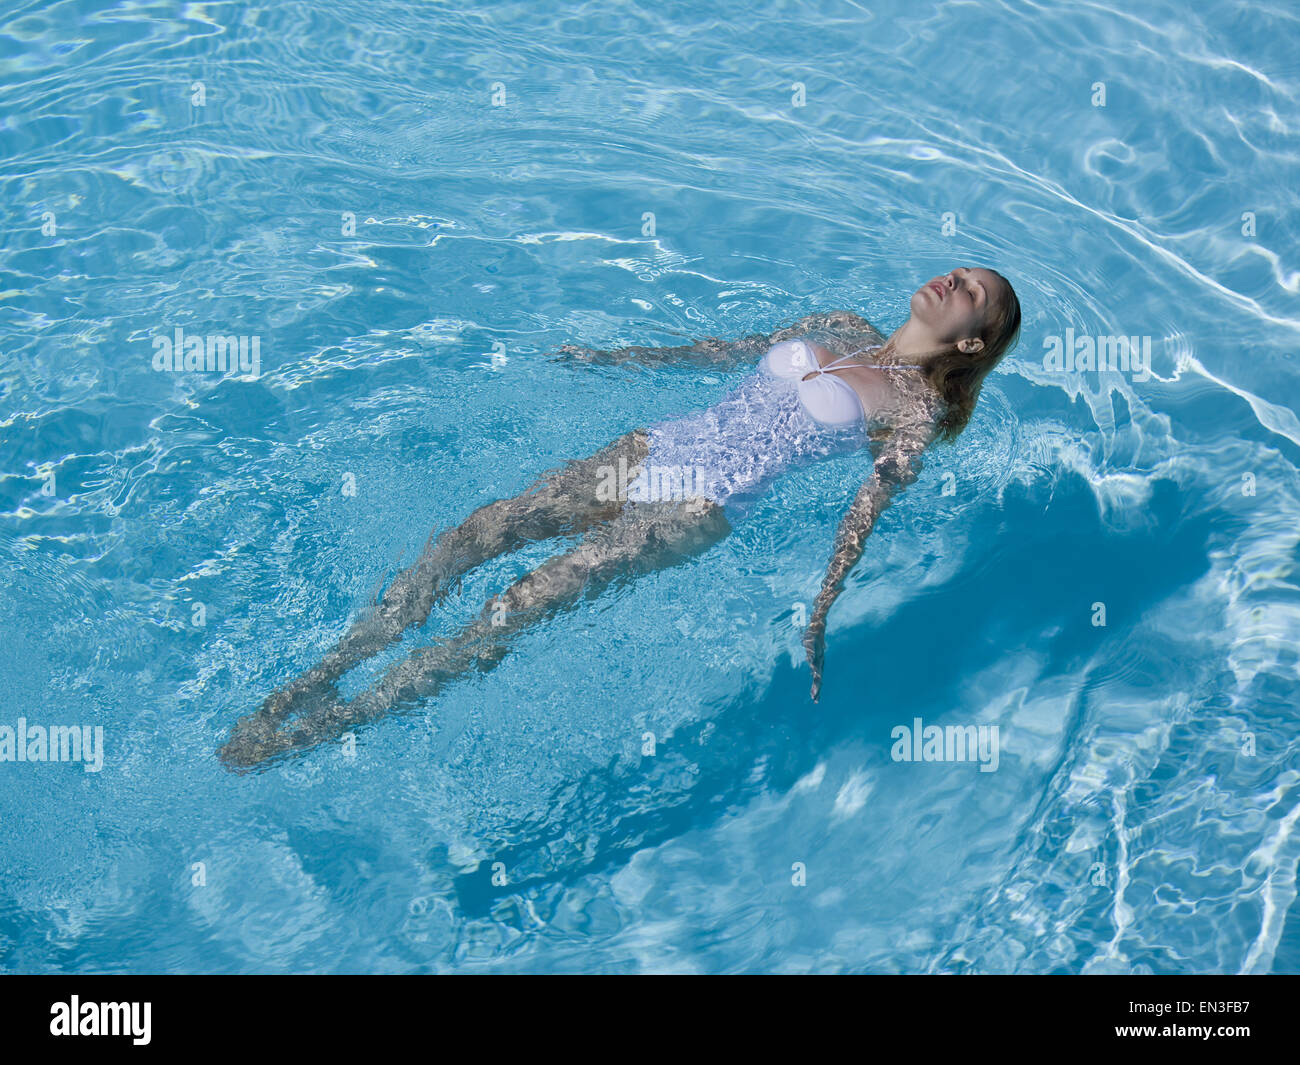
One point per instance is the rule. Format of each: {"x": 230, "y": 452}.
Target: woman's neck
{"x": 908, "y": 345}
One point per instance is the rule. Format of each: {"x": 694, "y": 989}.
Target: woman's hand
{"x": 576, "y": 353}
{"x": 895, "y": 468}
{"x": 814, "y": 645}
{"x": 854, "y": 528}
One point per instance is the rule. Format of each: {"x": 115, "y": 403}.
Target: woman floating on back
{"x": 826, "y": 385}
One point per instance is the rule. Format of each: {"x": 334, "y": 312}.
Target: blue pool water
{"x": 176, "y": 545}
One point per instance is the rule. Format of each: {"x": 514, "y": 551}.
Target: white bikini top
{"x": 827, "y": 399}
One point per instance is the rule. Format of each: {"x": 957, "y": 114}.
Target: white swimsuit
{"x": 828, "y": 400}
{"x": 773, "y": 420}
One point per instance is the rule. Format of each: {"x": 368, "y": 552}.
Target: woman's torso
{"x": 793, "y": 408}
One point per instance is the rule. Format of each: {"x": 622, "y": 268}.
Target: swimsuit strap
{"x": 833, "y": 365}
{"x": 877, "y": 366}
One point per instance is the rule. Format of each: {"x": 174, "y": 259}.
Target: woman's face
{"x": 957, "y": 306}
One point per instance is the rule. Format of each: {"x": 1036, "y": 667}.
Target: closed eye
{"x": 971, "y": 285}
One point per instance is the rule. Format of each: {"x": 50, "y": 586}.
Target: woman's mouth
{"x": 938, "y": 288}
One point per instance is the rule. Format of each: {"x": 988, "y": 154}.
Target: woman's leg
{"x": 645, "y": 537}
{"x": 560, "y": 504}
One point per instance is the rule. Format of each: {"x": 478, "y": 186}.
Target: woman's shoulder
{"x": 848, "y": 322}
{"x": 841, "y": 325}
{"x": 908, "y": 407}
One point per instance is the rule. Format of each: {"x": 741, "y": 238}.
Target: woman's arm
{"x": 712, "y": 353}
{"x": 896, "y": 467}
